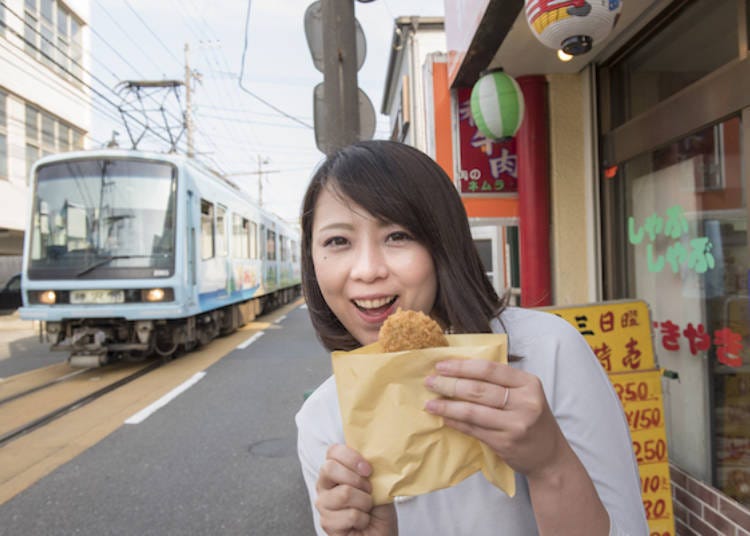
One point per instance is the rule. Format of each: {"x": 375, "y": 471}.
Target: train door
{"x": 191, "y": 275}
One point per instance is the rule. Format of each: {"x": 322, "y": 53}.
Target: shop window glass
{"x": 684, "y": 226}
{"x": 700, "y": 39}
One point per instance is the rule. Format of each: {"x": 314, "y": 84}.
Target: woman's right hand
{"x": 344, "y": 497}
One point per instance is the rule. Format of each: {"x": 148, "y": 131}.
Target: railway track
{"x": 31, "y": 408}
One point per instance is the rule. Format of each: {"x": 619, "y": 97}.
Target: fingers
{"x": 481, "y": 392}
{"x": 480, "y": 369}
{"x": 344, "y": 492}
{"x": 344, "y": 507}
{"x": 344, "y": 465}
{"x": 467, "y": 412}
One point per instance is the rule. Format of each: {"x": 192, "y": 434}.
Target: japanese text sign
{"x": 486, "y": 166}
{"x": 619, "y": 333}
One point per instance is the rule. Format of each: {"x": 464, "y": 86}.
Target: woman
{"x": 383, "y": 227}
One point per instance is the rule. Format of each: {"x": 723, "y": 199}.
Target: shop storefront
{"x": 650, "y": 143}
{"x": 675, "y": 196}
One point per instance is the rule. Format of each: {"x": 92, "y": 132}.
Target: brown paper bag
{"x": 382, "y": 398}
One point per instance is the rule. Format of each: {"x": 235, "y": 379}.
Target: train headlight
{"x": 48, "y": 297}
{"x": 154, "y": 295}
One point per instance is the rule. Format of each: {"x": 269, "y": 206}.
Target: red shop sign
{"x": 486, "y": 166}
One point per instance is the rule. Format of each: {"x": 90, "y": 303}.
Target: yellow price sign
{"x": 619, "y": 332}
{"x": 656, "y": 492}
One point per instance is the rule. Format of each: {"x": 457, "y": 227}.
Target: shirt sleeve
{"x": 316, "y": 431}
{"x": 591, "y": 417}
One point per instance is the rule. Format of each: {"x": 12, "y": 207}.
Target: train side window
{"x": 283, "y": 248}
{"x": 294, "y": 251}
{"x": 253, "y": 238}
{"x": 271, "y": 245}
{"x": 261, "y": 242}
{"x": 221, "y": 231}
{"x": 239, "y": 237}
{"x": 207, "y": 229}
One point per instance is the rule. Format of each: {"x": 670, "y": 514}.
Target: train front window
{"x": 103, "y": 219}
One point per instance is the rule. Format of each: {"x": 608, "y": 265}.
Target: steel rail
{"x": 72, "y": 406}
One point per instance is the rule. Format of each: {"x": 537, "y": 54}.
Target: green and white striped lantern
{"x": 497, "y": 104}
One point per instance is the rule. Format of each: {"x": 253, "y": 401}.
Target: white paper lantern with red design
{"x": 572, "y": 25}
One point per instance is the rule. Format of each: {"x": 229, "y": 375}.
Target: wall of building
{"x": 571, "y": 202}
{"x": 700, "y": 509}
{"x": 27, "y": 80}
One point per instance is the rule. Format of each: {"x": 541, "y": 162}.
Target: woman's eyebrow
{"x": 335, "y": 226}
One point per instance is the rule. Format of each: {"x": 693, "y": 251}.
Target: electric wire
{"x": 68, "y": 71}
{"x": 242, "y": 73}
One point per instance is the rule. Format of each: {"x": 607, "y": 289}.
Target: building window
{"x": 697, "y": 40}
{"x": 46, "y": 134}
{"x": 2, "y": 20}
{"x": 3, "y": 156}
{"x": 3, "y": 136}
{"x": 53, "y": 36}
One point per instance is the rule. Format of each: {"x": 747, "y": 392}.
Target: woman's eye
{"x": 335, "y": 241}
{"x": 399, "y": 236}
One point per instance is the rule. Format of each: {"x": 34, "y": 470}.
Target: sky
{"x": 237, "y": 132}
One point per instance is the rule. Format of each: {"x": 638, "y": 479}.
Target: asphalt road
{"x": 218, "y": 459}
{"x": 21, "y": 349}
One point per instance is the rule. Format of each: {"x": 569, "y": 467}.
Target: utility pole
{"x": 340, "y": 72}
{"x": 188, "y": 104}
{"x": 261, "y": 162}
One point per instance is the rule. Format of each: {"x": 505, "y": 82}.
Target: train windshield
{"x": 103, "y": 219}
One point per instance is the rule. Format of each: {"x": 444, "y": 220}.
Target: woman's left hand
{"x": 503, "y": 407}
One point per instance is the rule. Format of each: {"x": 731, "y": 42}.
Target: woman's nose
{"x": 369, "y": 263}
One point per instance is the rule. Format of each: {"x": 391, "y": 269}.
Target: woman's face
{"x": 367, "y": 268}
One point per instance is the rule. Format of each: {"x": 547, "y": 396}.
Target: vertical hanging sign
{"x": 485, "y": 166}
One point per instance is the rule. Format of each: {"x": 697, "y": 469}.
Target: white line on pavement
{"x": 251, "y": 340}
{"x": 166, "y": 399}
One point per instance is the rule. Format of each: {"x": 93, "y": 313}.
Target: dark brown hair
{"x": 399, "y": 184}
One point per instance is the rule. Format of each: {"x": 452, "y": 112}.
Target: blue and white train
{"x": 129, "y": 254}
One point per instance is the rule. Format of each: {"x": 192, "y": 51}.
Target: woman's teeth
{"x": 373, "y": 304}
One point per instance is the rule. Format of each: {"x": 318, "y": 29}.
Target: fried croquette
{"x": 410, "y": 330}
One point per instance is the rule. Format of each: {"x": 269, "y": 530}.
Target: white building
{"x": 404, "y": 96}
{"x": 45, "y": 102}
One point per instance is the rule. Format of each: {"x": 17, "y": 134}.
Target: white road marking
{"x": 303, "y": 306}
{"x": 280, "y": 319}
{"x": 251, "y": 340}
{"x": 166, "y": 399}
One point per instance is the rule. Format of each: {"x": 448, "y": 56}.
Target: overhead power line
{"x": 66, "y": 70}
{"x": 242, "y": 73}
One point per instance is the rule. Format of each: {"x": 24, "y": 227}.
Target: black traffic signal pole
{"x": 340, "y": 72}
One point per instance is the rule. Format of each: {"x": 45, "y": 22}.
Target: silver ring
{"x": 505, "y": 399}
